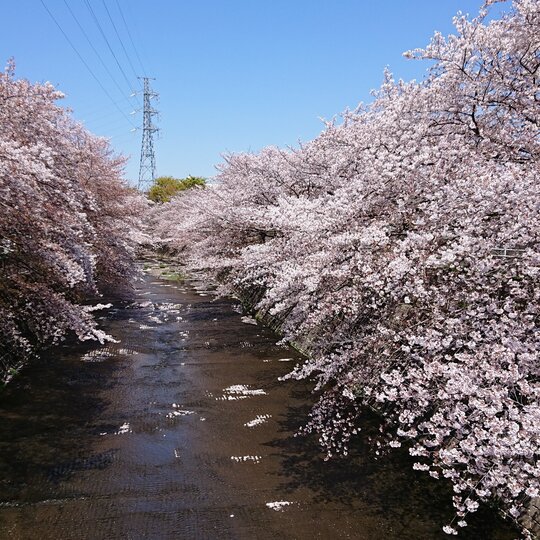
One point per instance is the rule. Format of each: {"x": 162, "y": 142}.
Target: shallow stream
{"x": 183, "y": 431}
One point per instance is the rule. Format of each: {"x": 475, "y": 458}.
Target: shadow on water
{"x": 384, "y": 486}
{"x": 46, "y": 412}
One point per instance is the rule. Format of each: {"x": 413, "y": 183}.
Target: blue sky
{"x": 233, "y": 75}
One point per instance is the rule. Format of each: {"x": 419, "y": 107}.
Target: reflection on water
{"x": 182, "y": 430}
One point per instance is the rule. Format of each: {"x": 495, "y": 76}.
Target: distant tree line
{"x": 166, "y": 187}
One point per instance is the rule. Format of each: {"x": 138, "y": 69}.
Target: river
{"x": 183, "y": 431}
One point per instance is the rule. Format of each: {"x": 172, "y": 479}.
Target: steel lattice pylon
{"x": 147, "y": 169}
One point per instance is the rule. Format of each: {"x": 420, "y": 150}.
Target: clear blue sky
{"x": 233, "y": 75}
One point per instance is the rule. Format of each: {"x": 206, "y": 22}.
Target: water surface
{"x": 182, "y": 430}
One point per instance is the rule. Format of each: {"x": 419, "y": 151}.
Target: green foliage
{"x": 166, "y": 187}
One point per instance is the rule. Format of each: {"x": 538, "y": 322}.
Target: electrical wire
{"x": 97, "y": 109}
{"x": 94, "y": 48}
{"x": 105, "y": 124}
{"x": 105, "y": 91}
{"x": 95, "y": 117}
{"x": 119, "y": 38}
{"x": 130, "y": 38}
{"x": 98, "y": 24}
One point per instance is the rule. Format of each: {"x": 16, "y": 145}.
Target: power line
{"x": 95, "y": 109}
{"x": 130, "y": 38}
{"x": 85, "y": 63}
{"x": 118, "y": 135}
{"x": 118, "y": 36}
{"x": 94, "y": 49}
{"x": 96, "y": 20}
{"x": 104, "y": 124}
{"x": 102, "y": 120}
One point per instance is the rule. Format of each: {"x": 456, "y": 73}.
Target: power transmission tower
{"x": 147, "y": 169}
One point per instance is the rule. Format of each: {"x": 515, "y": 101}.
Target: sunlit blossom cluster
{"x": 67, "y": 222}
{"x": 401, "y": 249}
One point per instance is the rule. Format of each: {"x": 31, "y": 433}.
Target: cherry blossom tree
{"x": 67, "y": 222}
{"x": 400, "y": 249}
